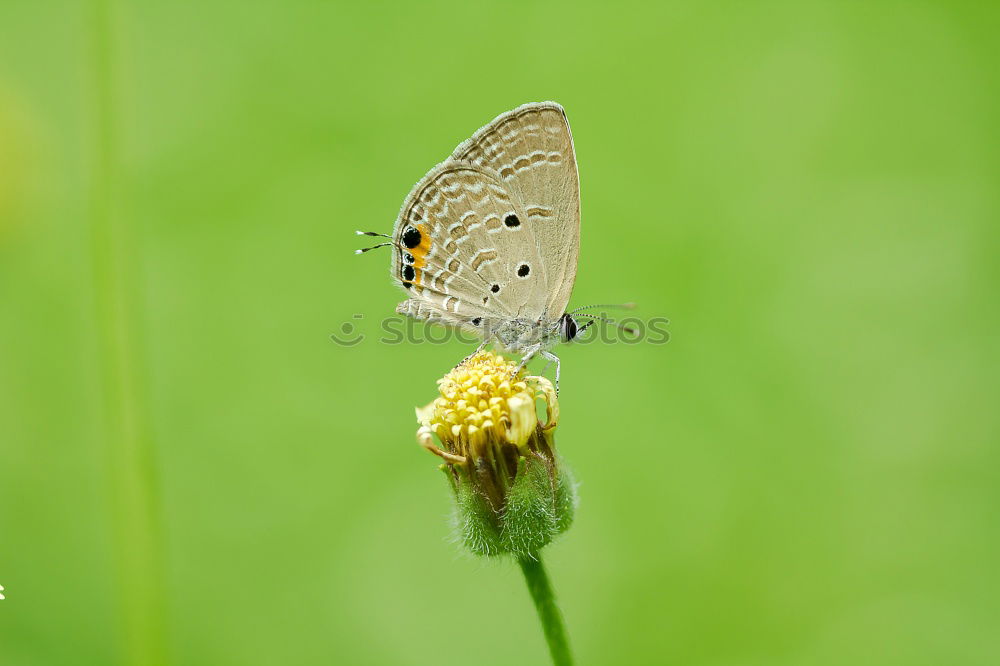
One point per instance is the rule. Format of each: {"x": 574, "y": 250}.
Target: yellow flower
{"x": 512, "y": 494}
{"x": 484, "y": 402}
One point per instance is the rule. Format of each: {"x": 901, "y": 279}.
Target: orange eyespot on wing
{"x": 420, "y": 251}
{"x": 417, "y": 241}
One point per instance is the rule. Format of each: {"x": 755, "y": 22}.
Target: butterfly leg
{"x": 481, "y": 347}
{"x": 529, "y": 354}
{"x": 553, "y": 358}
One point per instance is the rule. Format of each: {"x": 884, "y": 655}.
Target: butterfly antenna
{"x": 594, "y": 318}
{"x": 617, "y": 306}
{"x": 372, "y": 233}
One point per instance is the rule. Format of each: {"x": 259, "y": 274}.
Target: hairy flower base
{"x": 512, "y": 495}
{"x": 538, "y": 507}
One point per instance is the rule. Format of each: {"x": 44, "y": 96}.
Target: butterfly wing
{"x": 530, "y": 149}
{"x": 458, "y": 249}
{"x": 493, "y": 232}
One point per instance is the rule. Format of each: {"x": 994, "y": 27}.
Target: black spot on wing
{"x": 411, "y": 237}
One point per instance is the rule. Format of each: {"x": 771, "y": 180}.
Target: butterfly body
{"x": 522, "y": 336}
{"x": 488, "y": 240}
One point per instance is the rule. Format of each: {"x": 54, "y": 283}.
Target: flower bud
{"x": 512, "y": 494}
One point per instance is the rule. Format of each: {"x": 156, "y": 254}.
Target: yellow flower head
{"x": 485, "y": 402}
{"x": 500, "y": 458}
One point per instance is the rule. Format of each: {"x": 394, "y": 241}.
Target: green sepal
{"x": 539, "y": 506}
{"x": 475, "y": 520}
{"x": 566, "y": 498}
{"x": 529, "y": 518}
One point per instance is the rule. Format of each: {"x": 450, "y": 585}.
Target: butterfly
{"x": 488, "y": 241}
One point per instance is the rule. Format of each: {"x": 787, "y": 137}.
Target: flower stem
{"x": 548, "y": 611}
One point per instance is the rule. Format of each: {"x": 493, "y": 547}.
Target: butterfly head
{"x": 567, "y": 327}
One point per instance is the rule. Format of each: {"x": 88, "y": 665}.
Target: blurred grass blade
{"x": 129, "y": 449}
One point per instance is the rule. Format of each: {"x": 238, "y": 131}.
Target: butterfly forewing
{"x": 493, "y": 232}
{"x": 531, "y": 151}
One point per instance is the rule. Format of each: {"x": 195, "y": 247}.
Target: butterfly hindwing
{"x": 461, "y": 247}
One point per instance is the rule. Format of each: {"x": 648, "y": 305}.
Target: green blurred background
{"x": 191, "y": 472}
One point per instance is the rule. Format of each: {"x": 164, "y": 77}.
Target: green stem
{"x": 138, "y": 532}
{"x": 548, "y": 611}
